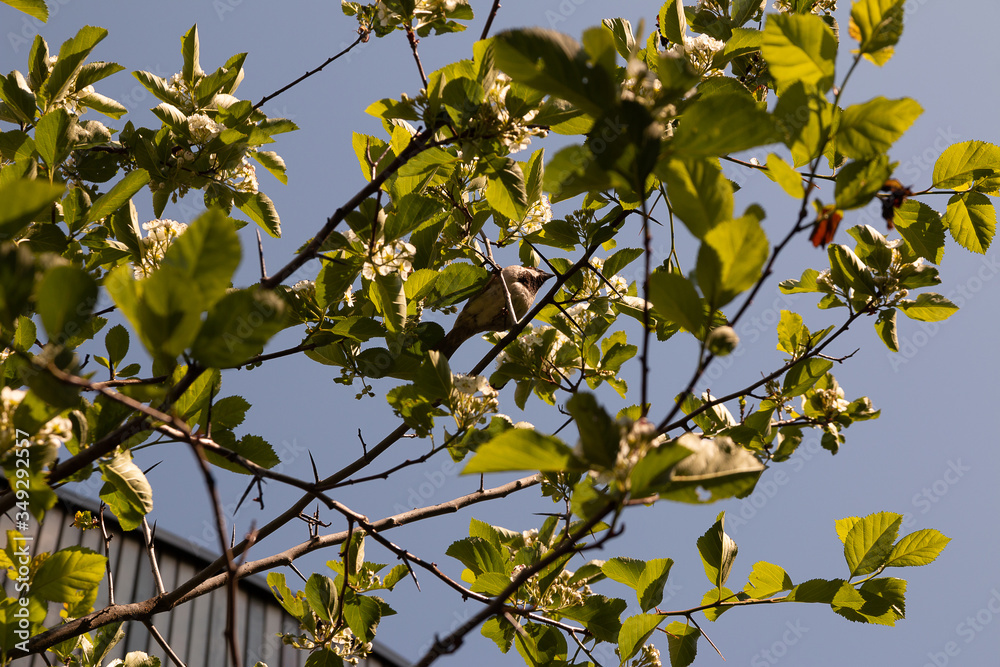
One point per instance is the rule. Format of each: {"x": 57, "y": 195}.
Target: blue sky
{"x": 931, "y": 456}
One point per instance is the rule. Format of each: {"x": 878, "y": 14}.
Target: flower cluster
{"x": 593, "y": 285}
{"x": 515, "y": 132}
{"x": 388, "y": 16}
{"x": 828, "y": 402}
{"x": 536, "y": 216}
{"x": 821, "y": 6}
{"x": 472, "y": 398}
{"x": 637, "y": 438}
{"x": 561, "y": 593}
{"x": 532, "y": 338}
{"x": 50, "y": 436}
{"x": 160, "y": 235}
{"x": 648, "y": 657}
{"x": 699, "y": 51}
{"x": 351, "y": 649}
{"x": 383, "y": 258}
{"x": 242, "y": 177}
{"x": 202, "y": 128}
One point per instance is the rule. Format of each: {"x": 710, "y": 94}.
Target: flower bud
{"x": 722, "y": 341}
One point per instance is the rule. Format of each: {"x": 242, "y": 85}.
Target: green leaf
{"x": 877, "y": 25}
{"x": 972, "y": 221}
{"x": 717, "y": 468}
{"x": 624, "y": 570}
{"x": 52, "y": 137}
{"x": 505, "y": 190}
{"x": 805, "y": 119}
{"x": 799, "y": 48}
{"x": 682, "y": 642}
{"x": 321, "y": 594}
{"x": 119, "y": 195}
{"x": 634, "y": 633}
{"x": 500, "y": 631}
{"x": 718, "y": 551}
{"x": 72, "y": 53}
{"x": 870, "y": 129}
{"x": 116, "y": 341}
{"x": 68, "y": 575}
{"x": 849, "y": 272}
{"x": 652, "y": 581}
{"x": 237, "y": 327}
{"x": 869, "y": 542}
{"x": 260, "y": 209}
{"x": 523, "y": 449}
{"x": 883, "y": 601}
{"x": 20, "y": 99}
{"x": 731, "y": 258}
{"x": 969, "y": 164}
{"x": 22, "y": 201}
{"x": 322, "y": 657}
{"x": 129, "y": 481}
{"x": 767, "y": 579}
{"x": 700, "y": 195}
{"x": 33, "y": 8}
{"x": 919, "y": 548}
{"x": 66, "y": 297}
{"x": 928, "y": 307}
{"x": 599, "y": 433}
{"x": 292, "y": 603}
{"x": 922, "y": 228}
{"x": 206, "y": 254}
{"x": 190, "y": 51}
{"x": 804, "y": 375}
{"x": 159, "y": 87}
{"x": 556, "y": 65}
{"x": 818, "y": 590}
{"x": 673, "y": 22}
{"x": 675, "y": 299}
{"x": 600, "y": 615}
{"x": 388, "y": 295}
{"x": 859, "y": 181}
{"x": 362, "y": 614}
{"x": 480, "y": 556}
{"x": 782, "y": 173}
{"x": 427, "y": 168}
{"x": 723, "y": 123}
{"x": 885, "y": 326}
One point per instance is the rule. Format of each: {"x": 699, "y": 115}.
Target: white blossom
{"x": 202, "y": 128}
{"x": 160, "y": 235}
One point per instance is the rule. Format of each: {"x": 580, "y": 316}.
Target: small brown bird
{"x": 487, "y": 310}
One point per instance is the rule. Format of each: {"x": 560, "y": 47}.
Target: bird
{"x": 488, "y": 311}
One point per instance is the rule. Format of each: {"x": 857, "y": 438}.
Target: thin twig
{"x": 147, "y": 535}
{"x": 412, "y": 39}
{"x": 362, "y": 37}
{"x": 210, "y": 579}
{"x": 489, "y": 19}
{"x": 260, "y": 254}
{"x": 107, "y": 556}
{"x": 163, "y": 643}
{"x": 232, "y": 579}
